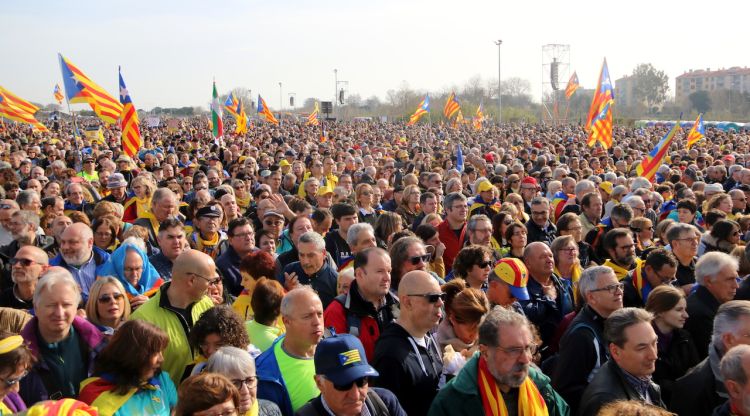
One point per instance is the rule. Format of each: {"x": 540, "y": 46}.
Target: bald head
{"x": 533, "y": 249}
{"x": 33, "y": 252}
{"x": 78, "y": 230}
{"x": 417, "y": 281}
{"x": 193, "y": 261}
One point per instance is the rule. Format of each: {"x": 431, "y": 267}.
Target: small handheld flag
{"x": 572, "y": 85}
{"x": 459, "y": 159}
{"x": 599, "y": 121}
{"x": 131, "y": 134}
{"x": 58, "y": 94}
{"x": 697, "y": 133}
{"x": 424, "y": 108}
{"x": 216, "y": 122}
{"x": 241, "y": 118}
{"x": 650, "y": 164}
{"x": 451, "y": 106}
{"x": 264, "y": 111}
{"x": 479, "y": 118}
{"x": 230, "y": 104}
{"x": 312, "y": 119}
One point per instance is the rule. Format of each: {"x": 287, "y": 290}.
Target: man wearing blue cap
{"x": 341, "y": 374}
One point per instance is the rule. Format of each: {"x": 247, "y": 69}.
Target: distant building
{"x": 733, "y": 79}
{"x": 625, "y": 91}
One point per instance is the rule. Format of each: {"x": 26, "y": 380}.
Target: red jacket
{"x": 452, "y": 243}
{"x": 351, "y": 314}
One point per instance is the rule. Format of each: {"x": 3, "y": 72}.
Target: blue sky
{"x": 171, "y": 50}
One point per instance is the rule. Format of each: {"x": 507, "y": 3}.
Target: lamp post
{"x": 335, "y": 90}
{"x": 499, "y": 90}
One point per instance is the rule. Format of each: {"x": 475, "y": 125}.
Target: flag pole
{"x": 67, "y": 101}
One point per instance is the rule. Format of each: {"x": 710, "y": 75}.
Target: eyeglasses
{"x": 517, "y": 351}
{"x": 360, "y": 382}
{"x": 273, "y": 223}
{"x": 539, "y": 213}
{"x": 10, "y": 382}
{"x": 612, "y": 289}
{"x": 250, "y": 382}
{"x": 485, "y": 264}
{"x": 693, "y": 240}
{"x": 425, "y": 258}
{"x": 570, "y": 249}
{"x": 431, "y": 297}
{"x": 508, "y": 222}
{"x": 211, "y": 282}
{"x": 244, "y": 235}
{"x": 22, "y": 262}
{"x": 108, "y": 298}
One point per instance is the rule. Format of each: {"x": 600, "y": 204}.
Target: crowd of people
{"x": 374, "y": 269}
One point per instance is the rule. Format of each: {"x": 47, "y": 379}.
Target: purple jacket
{"x": 33, "y": 387}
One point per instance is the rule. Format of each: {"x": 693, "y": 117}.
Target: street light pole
{"x": 335, "y": 90}
{"x": 499, "y": 90}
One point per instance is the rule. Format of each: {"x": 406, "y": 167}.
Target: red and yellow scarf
{"x": 530, "y": 400}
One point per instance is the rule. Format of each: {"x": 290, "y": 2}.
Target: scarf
{"x": 254, "y": 409}
{"x": 621, "y": 272}
{"x": 142, "y": 206}
{"x": 530, "y": 400}
{"x": 243, "y": 202}
{"x": 207, "y": 246}
{"x": 641, "y": 284}
{"x": 575, "y": 276}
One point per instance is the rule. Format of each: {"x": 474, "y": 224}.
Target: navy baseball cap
{"x": 342, "y": 360}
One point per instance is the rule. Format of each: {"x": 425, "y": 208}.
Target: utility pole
{"x": 499, "y": 42}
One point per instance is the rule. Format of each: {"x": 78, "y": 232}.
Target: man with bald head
{"x": 407, "y": 357}
{"x": 27, "y": 265}
{"x": 79, "y": 256}
{"x": 177, "y": 306}
{"x": 286, "y": 370}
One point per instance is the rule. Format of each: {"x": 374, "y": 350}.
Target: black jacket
{"x": 578, "y": 356}
{"x": 695, "y": 394}
{"x": 388, "y": 399}
{"x": 701, "y": 309}
{"x": 536, "y": 233}
{"x": 674, "y": 361}
{"x": 400, "y": 370}
{"x": 630, "y": 295}
{"x": 609, "y": 385}
{"x": 544, "y": 312}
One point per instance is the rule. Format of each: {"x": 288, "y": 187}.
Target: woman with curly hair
{"x": 128, "y": 379}
{"x": 217, "y": 327}
{"x": 473, "y": 265}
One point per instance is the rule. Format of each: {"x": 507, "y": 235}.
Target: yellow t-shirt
{"x": 298, "y": 376}
{"x": 262, "y": 336}
{"x": 4, "y": 410}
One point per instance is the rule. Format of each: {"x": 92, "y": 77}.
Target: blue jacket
{"x": 270, "y": 382}
{"x": 228, "y": 264}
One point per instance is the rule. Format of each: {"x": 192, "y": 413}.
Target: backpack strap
{"x": 353, "y": 322}
{"x": 597, "y": 347}
{"x": 374, "y": 402}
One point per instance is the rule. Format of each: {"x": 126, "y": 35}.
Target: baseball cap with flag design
{"x": 513, "y": 272}
{"x": 341, "y": 359}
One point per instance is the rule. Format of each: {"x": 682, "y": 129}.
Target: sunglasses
{"x": 108, "y": 298}
{"x": 485, "y": 264}
{"x": 416, "y": 259}
{"x": 23, "y": 262}
{"x": 431, "y": 297}
{"x": 360, "y": 382}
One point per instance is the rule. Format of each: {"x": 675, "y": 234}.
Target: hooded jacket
{"x": 115, "y": 266}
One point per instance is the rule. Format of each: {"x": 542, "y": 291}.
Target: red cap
{"x": 529, "y": 181}
{"x": 728, "y": 157}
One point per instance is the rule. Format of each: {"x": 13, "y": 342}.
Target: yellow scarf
{"x": 621, "y": 272}
{"x": 530, "y": 400}
{"x": 142, "y": 206}
{"x": 207, "y": 246}
{"x": 243, "y": 202}
{"x": 575, "y": 276}
{"x": 254, "y": 409}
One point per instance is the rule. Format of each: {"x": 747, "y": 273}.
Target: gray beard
{"x": 509, "y": 379}
{"x": 77, "y": 260}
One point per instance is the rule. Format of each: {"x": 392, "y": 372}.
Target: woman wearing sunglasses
{"x": 724, "y": 237}
{"x": 473, "y": 265}
{"x": 107, "y": 306}
{"x": 128, "y": 379}
{"x": 15, "y": 361}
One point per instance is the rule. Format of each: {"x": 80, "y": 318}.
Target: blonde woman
{"x": 409, "y": 208}
{"x": 139, "y": 205}
{"x": 108, "y": 305}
